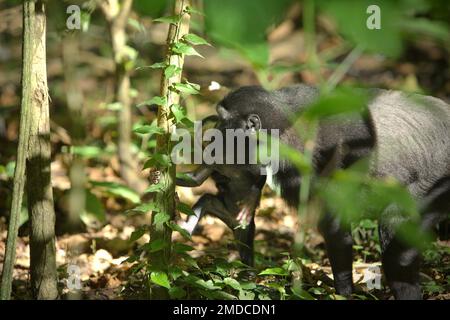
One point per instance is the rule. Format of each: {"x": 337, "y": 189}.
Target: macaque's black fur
{"x": 239, "y": 192}
{"x": 406, "y": 136}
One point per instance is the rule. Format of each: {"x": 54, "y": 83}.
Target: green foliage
{"x": 160, "y": 278}
{"x": 117, "y": 190}
{"x": 396, "y": 18}
{"x": 341, "y": 101}
{"x": 153, "y": 8}
{"x": 94, "y": 211}
{"x": 228, "y": 23}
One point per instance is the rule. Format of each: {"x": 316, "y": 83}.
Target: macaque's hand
{"x": 244, "y": 217}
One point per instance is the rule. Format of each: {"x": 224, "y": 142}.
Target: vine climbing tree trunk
{"x": 33, "y": 153}
{"x": 165, "y": 198}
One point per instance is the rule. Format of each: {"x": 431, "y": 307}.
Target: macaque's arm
{"x": 196, "y": 178}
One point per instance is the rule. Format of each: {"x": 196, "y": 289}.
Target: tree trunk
{"x": 77, "y": 194}
{"x": 39, "y": 187}
{"x": 33, "y": 153}
{"x": 165, "y": 199}
{"x": 117, "y": 17}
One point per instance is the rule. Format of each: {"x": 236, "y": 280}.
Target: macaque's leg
{"x": 245, "y": 238}
{"x": 338, "y": 242}
{"x": 196, "y": 178}
{"x": 209, "y": 203}
{"x": 401, "y": 261}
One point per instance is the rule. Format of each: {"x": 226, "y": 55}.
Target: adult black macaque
{"x": 239, "y": 192}
{"x": 407, "y": 137}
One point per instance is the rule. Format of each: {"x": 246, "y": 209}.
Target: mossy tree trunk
{"x": 165, "y": 198}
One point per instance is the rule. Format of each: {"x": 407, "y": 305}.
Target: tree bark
{"x": 33, "y": 154}
{"x": 39, "y": 187}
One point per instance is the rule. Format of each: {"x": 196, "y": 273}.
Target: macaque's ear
{"x": 223, "y": 113}
{"x": 253, "y": 122}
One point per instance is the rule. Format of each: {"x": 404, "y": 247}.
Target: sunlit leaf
{"x": 117, "y": 189}
{"x": 171, "y": 70}
{"x": 161, "y": 218}
{"x": 183, "y": 48}
{"x": 160, "y": 278}
{"x": 149, "y": 129}
{"x": 195, "y": 39}
{"x": 274, "y": 272}
{"x": 159, "y": 101}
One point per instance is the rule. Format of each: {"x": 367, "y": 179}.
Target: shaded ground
{"x": 100, "y": 254}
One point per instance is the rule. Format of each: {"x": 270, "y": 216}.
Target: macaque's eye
{"x": 253, "y": 122}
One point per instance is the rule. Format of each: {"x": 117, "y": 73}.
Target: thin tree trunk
{"x": 165, "y": 199}
{"x": 117, "y": 16}
{"x": 33, "y": 147}
{"x": 19, "y": 172}
{"x": 77, "y": 176}
{"x": 39, "y": 187}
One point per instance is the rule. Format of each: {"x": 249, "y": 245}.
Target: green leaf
{"x": 171, "y": 70}
{"x": 351, "y": 19}
{"x": 274, "y": 272}
{"x": 228, "y": 23}
{"x": 114, "y": 106}
{"x": 136, "y": 24}
{"x": 341, "y": 101}
{"x": 157, "y": 160}
{"x": 159, "y": 101}
{"x": 176, "y": 272}
{"x": 187, "y": 50}
{"x": 175, "y": 227}
{"x": 157, "y": 65}
{"x": 161, "y": 218}
{"x": 184, "y": 176}
{"x": 168, "y": 19}
{"x": 233, "y": 283}
{"x": 185, "y": 208}
{"x": 177, "y": 293}
{"x": 246, "y": 295}
{"x": 149, "y": 129}
{"x": 195, "y": 39}
{"x": 153, "y": 8}
{"x": 154, "y": 188}
{"x": 188, "y": 88}
{"x": 194, "y": 11}
{"x": 154, "y": 246}
{"x": 117, "y": 189}
{"x": 209, "y": 284}
{"x": 181, "y": 247}
{"x": 143, "y": 209}
{"x": 179, "y": 112}
{"x": 160, "y": 278}
{"x": 86, "y": 152}
{"x": 137, "y": 234}
{"x": 302, "y": 293}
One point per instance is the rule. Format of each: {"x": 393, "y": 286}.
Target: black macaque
{"x": 406, "y": 136}
{"x": 239, "y": 192}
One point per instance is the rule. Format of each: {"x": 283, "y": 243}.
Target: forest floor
{"x": 100, "y": 254}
